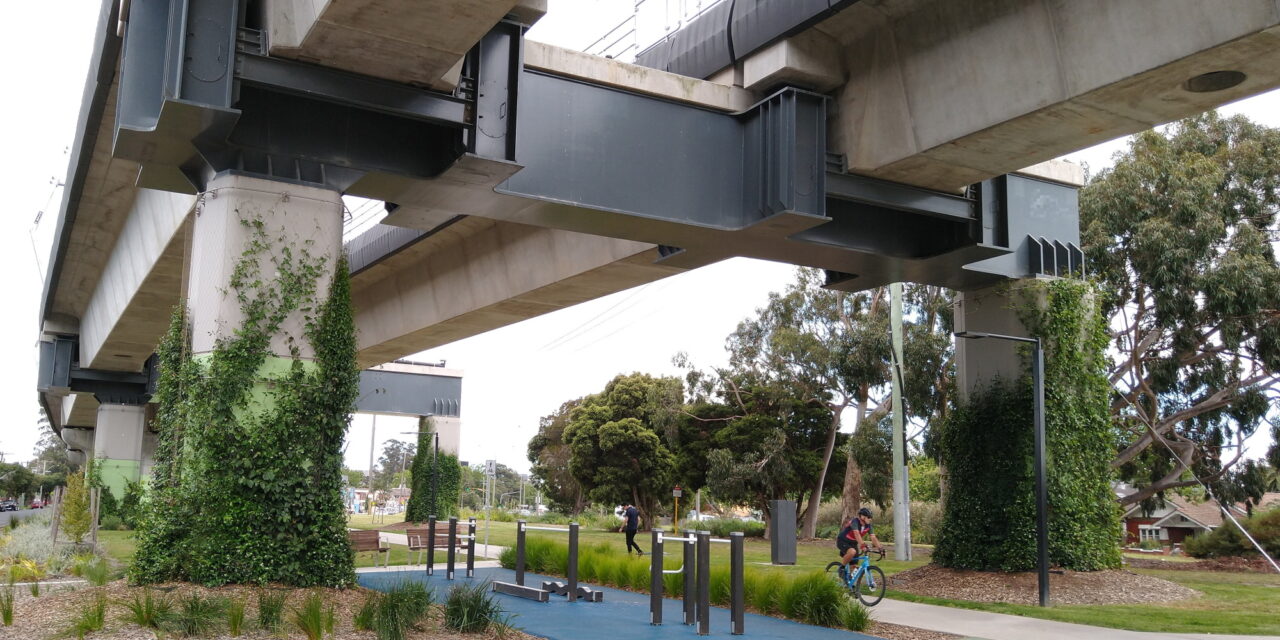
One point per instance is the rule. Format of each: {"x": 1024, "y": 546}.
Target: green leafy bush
{"x": 722, "y": 527}
{"x": 1227, "y": 540}
{"x": 471, "y": 608}
{"x": 148, "y": 610}
{"x": 111, "y": 523}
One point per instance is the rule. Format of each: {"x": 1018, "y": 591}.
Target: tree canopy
{"x": 1181, "y": 233}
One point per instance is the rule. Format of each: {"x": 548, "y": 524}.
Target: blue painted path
{"x": 622, "y": 616}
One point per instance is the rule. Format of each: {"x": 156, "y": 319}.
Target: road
{"x": 6, "y": 516}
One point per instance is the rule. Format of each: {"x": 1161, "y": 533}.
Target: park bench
{"x": 420, "y": 539}
{"x": 370, "y": 541}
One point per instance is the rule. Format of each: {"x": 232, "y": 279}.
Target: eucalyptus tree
{"x": 549, "y": 459}
{"x": 1181, "y": 232}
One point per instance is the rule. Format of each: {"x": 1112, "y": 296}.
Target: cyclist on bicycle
{"x": 853, "y": 538}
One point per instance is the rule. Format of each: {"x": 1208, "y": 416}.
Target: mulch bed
{"x": 1068, "y": 587}
{"x": 48, "y": 616}
{"x": 1233, "y": 564}
{"x": 899, "y": 632}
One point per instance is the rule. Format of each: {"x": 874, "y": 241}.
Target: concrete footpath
{"x": 625, "y": 615}
{"x": 999, "y": 626}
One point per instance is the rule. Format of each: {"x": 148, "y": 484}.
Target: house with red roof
{"x": 1180, "y": 517}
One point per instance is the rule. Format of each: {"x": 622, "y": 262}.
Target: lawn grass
{"x": 1233, "y": 603}
{"x": 367, "y": 521}
{"x": 118, "y": 545}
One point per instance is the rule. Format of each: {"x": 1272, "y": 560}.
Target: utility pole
{"x": 901, "y": 497}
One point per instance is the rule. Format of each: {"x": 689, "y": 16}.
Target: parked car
{"x": 8, "y": 505}
{"x": 36, "y": 504}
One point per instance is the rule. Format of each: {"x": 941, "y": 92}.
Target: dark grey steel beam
{"x": 900, "y": 197}
{"x": 349, "y": 89}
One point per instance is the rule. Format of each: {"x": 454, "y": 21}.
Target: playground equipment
{"x": 696, "y": 570}
{"x": 451, "y": 541}
{"x": 571, "y": 590}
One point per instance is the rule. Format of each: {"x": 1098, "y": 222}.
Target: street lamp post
{"x": 1042, "y": 492}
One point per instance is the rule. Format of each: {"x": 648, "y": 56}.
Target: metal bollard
{"x": 471, "y": 548}
{"x": 704, "y": 583}
{"x": 431, "y": 546}
{"x": 573, "y": 562}
{"x": 690, "y": 589}
{"x": 737, "y": 607}
{"x": 453, "y": 546}
{"x": 520, "y": 552}
{"x": 655, "y": 579}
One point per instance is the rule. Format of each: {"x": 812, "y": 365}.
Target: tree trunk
{"x": 815, "y": 499}
{"x": 852, "y": 498}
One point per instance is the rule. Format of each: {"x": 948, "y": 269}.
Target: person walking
{"x": 631, "y": 524}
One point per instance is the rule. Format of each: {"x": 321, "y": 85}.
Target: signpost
{"x": 675, "y": 521}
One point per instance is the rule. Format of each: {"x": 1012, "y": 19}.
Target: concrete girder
{"x": 479, "y": 275}
{"x": 944, "y": 94}
{"x": 419, "y": 42}
{"x": 140, "y": 284}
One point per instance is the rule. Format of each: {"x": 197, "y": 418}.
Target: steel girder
{"x": 536, "y": 148}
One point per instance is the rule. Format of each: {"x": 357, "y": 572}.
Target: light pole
{"x": 1042, "y": 493}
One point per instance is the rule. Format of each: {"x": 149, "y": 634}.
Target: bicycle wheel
{"x": 833, "y": 570}
{"x": 871, "y": 585}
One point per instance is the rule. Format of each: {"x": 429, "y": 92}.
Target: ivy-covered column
{"x": 250, "y": 233}
{"x": 257, "y": 382}
{"x": 986, "y": 445}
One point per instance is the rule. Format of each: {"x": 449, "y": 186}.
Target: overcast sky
{"x": 512, "y": 375}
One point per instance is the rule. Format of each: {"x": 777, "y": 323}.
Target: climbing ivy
{"x": 987, "y": 447}
{"x": 246, "y": 486}
{"x": 445, "y": 473}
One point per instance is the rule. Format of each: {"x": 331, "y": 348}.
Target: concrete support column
{"x": 306, "y": 220}
{"x": 79, "y": 443}
{"x": 980, "y": 362}
{"x": 148, "y": 452}
{"x": 117, "y": 445}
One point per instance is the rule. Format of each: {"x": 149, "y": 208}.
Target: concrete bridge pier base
{"x": 979, "y": 363}
{"x": 304, "y": 221}
{"x": 117, "y": 445}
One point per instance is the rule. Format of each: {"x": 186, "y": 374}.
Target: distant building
{"x": 1180, "y": 518}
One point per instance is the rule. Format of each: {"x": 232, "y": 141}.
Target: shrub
{"x": 673, "y": 584}
{"x": 91, "y": 618}
{"x": 196, "y": 615}
{"x": 768, "y": 592}
{"x": 364, "y": 617}
{"x": 146, "y": 610}
{"x": 722, "y": 527}
{"x": 720, "y": 585}
{"x": 1150, "y": 545}
{"x": 813, "y": 598}
{"x": 639, "y": 573}
{"x": 97, "y": 572}
{"x": 854, "y": 616}
{"x": 270, "y": 610}
{"x": 6, "y": 605}
{"x": 508, "y": 557}
{"x": 400, "y": 608}
{"x": 472, "y": 609}
{"x": 30, "y": 540}
{"x": 75, "y": 518}
{"x": 112, "y": 523}
{"x": 235, "y": 617}
{"x": 311, "y": 618}
{"x": 1227, "y": 540}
